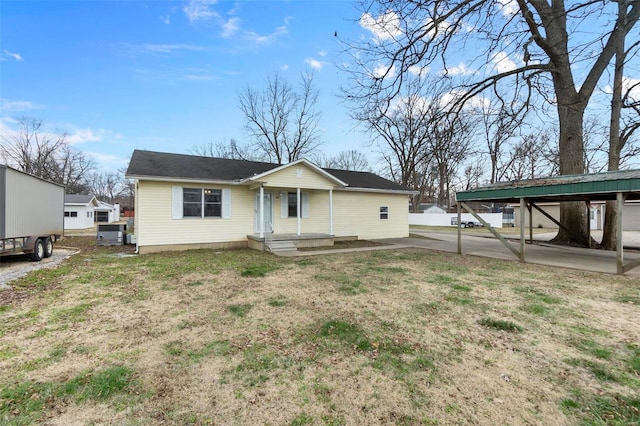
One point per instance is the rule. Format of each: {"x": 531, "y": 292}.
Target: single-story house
{"x": 107, "y": 213}
{"x": 79, "y": 211}
{"x": 186, "y": 201}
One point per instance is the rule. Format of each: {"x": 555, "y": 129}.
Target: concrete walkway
{"x": 540, "y": 252}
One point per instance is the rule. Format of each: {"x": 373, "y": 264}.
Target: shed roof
{"x": 590, "y": 187}
{"x": 162, "y": 165}
{"x": 80, "y": 199}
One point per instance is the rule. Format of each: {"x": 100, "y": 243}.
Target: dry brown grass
{"x": 384, "y": 337}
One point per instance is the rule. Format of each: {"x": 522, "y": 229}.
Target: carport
{"x": 619, "y": 186}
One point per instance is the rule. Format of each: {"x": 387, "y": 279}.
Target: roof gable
{"x": 300, "y": 170}
{"x": 80, "y": 199}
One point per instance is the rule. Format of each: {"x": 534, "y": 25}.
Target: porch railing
{"x": 268, "y": 235}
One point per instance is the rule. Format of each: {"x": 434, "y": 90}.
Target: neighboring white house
{"x": 186, "y": 201}
{"x": 79, "y": 211}
{"x": 107, "y": 213}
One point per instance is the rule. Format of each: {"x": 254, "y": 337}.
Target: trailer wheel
{"x": 48, "y": 247}
{"x": 38, "y": 250}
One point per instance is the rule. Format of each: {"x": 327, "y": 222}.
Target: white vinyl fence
{"x": 450, "y": 219}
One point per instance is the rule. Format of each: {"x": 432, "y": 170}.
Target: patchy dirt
{"x": 210, "y": 344}
{"x": 17, "y": 266}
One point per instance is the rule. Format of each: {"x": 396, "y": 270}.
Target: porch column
{"x": 331, "y": 212}
{"x": 298, "y": 209}
{"x": 261, "y": 214}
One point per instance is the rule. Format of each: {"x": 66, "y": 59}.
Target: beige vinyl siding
{"x": 316, "y": 223}
{"x": 631, "y": 217}
{"x": 155, "y": 225}
{"x": 297, "y": 176}
{"x": 358, "y": 213}
{"x": 538, "y": 218}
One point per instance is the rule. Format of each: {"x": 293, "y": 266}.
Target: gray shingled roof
{"x": 180, "y": 166}
{"x": 77, "y": 198}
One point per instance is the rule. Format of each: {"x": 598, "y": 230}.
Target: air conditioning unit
{"x": 111, "y": 234}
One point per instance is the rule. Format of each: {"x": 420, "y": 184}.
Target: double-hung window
{"x": 289, "y": 204}
{"x": 198, "y": 202}
{"x": 384, "y": 212}
{"x": 201, "y": 202}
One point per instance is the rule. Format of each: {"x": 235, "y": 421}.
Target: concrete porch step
{"x": 282, "y": 245}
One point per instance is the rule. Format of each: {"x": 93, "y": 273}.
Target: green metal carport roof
{"x": 592, "y": 187}
{"x": 619, "y": 185}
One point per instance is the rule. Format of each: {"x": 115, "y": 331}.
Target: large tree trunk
{"x": 616, "y": 142}
{"x": 573, "y": 215}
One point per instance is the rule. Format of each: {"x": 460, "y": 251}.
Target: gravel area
{"x": 14, "y": 267}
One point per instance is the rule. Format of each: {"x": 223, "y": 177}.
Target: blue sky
{"x": 158, "y": 75}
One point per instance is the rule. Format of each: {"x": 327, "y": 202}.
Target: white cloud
{"x": 634, "y": 85}
{"x": 418, "y": 70}
{"x": 314, "y": 63}
{"x": 13, "y": 106}
{"x": 383, "y": 71}
{"x": 80, "y": 136}
{"x": 503, "y": 63}
{"x": 475, "y": 102}
{"x": 461, "y": 69}
{"x": 508, "y": 7}
{"x": 265, "y": 39}
{"x": 230, "y": 27}
{"x": 629, "y": 84}
{"x": 16, "y": 56}
{"x": 284, "y": 67}
{"x": 384, "y": 27}
{"x": 108, "y": 162}
{"x": 196, "y": 77}
{"x": 322, "y": 53}
{"x": 168, "y": 48}
{"x": 166, "y": 19}
{"x": 197, "y": 10}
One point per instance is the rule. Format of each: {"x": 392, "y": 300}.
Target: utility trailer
{"x": 31, "y": 214}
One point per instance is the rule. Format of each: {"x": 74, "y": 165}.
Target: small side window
{"x": 384, "y": 212}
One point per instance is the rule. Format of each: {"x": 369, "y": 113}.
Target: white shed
{"x": 79, "y": 211}
{"x": 107, "y": 213}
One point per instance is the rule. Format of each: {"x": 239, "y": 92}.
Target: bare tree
{"x": 46, "y": 154}
{"x": 418, "y": 34}
{"x": 351, "y": 159}
{"x": 530, "y": 158}
{"x": 30, "y": 148}
{"x": 620, "y": 136}
{"x": 450, "y": 146}
{"x": 282, "y": 121}
{"x": 227, "y": 149}
{"x": 405, "y": 133}
{"x": 107, "y": 186}
{"x": 499, "y": 125}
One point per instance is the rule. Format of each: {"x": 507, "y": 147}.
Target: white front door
{"x": 268, "y": 212}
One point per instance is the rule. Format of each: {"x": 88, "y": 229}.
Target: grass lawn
{"x": 384, "y": 337}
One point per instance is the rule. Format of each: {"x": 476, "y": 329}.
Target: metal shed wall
{"x": 30, "y": 206}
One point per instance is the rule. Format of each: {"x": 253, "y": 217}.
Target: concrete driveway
{"x": 540, "y": 252}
